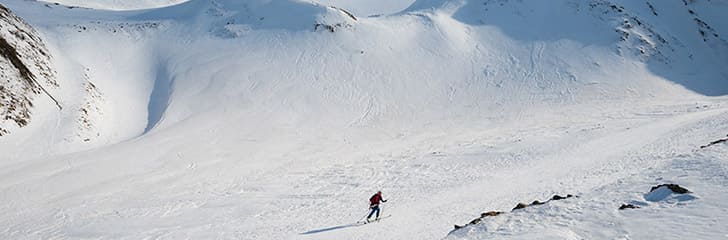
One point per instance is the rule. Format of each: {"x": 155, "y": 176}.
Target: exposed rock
{"x": 345, "y": 12}
{"x": 670, "y": 193}
{"x": 663, "y": 193}
{"x": 723, "y": 140}
{"x": 673, "y": 187}
{"x": 25, "y": 70}
{"x": 89, "y": 112}
{"x": 490, "y": 214}
{"x": 330, "y": 27}
{"x": 557, "y": 197}
{"x": 627, "y": 206}
{"x": 333, "y": 24}
{"x": 520, "y": 206}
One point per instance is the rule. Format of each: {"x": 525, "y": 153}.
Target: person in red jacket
{"x": 374, "y": 204}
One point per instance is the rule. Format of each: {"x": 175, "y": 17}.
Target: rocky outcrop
{"x": 663, "y": 193}
{"x": 25, "y": 71}
{"x": 518, "y": 206}
{"x": 673, "y": 187}
{"x": 722, "y": 140}
{"x": 628, "y": 206}
{"x": 333, "y": 27}
{"x": 669, "y": 193}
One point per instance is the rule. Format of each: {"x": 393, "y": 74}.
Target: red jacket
{"x": 374, "y": 200}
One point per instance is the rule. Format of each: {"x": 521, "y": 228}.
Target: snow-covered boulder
{"x": 670, "y": 193}
{"x": 667, "y": 193}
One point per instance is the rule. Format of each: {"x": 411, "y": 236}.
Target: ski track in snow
{"x": 435, "y": 182}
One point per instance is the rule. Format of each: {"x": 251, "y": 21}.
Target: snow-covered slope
{"x": 116, "y": 4}
{"x": 276, "y": 119}
{"x": 360, "y": 7}
{"x": 25, "y": 71}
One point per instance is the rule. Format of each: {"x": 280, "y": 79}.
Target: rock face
{"x": 25, "y": 71}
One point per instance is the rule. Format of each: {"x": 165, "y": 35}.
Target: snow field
{"x": 235, "y": 120}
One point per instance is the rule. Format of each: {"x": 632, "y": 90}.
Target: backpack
{"x": 374, "y": 199}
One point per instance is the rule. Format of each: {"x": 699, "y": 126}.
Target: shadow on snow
{"x": 331, "y": 228}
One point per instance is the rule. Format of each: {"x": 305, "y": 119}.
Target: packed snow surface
{"x": 278, "y": 119}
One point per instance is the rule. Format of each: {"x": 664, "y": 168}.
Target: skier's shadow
{"x": 331, "y": 228}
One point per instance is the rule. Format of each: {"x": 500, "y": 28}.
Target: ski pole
{"x": 365, "y": 215}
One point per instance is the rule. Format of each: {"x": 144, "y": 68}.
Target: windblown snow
{"x": 278, "y": 119}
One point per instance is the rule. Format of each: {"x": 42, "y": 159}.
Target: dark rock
{"x": 345, "y": 12}
{"x": 9, "y": 52}
{"x": 673, "y": 187}
{"x": 715, "y": 142}
{"x": 557, "y": 197}
{"x": 627, "y": 206}
{"x": 490, "y": 214}
{"x": 519, "y": 206}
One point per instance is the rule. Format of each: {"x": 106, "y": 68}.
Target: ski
{"x": 373, "y": 221}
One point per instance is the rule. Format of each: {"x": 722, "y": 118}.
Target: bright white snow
{"x": 234, "y": 119}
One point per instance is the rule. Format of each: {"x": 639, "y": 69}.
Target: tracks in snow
{"x": 434, "y": 181}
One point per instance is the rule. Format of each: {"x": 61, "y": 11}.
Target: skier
{"x": 374, "y": 204}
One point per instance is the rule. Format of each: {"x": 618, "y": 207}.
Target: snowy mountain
{"x": 276, "y": 119}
